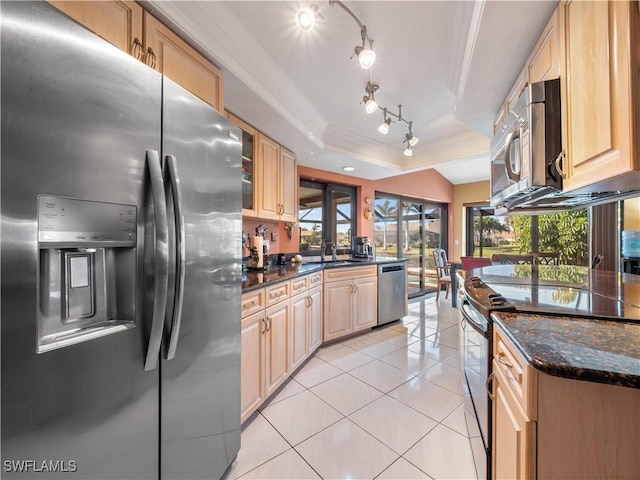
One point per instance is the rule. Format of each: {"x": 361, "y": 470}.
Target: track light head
{"x": 408, "y": 151}
{"x": 366, "y": 57}
{"x": 384, "y": 126}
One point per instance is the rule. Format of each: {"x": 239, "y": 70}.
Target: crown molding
{"x": 472, "y": 39}
{"x": 222, "y": 37}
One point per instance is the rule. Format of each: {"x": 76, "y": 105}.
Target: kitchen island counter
{"x": 594, "y": 350}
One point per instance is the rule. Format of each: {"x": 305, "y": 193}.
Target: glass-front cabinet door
{"x": 249, "y": 207}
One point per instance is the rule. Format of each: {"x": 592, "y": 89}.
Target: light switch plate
{"x": 274, "y": 237}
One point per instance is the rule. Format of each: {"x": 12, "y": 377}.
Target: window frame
{"x": 329, "y": 224}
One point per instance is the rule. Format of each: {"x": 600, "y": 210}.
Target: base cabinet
{"x": 252, "y": 359}
{"x": 314, "y": 318}
{"x": 279, "y": 332}
{"x": 551, "y": 427}
{"x": 276, "y": 351}
{"x": 350, "y": 301}
{"x": 264, "y": 352}
{"x": 514, "y": 435}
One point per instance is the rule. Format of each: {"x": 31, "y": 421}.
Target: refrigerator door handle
{"x": 174, "y": 179}
{"x": 161, "y": 273}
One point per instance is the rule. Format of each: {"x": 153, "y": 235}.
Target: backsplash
{"x": 281, "y": 245}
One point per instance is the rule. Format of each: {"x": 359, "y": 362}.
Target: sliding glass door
{"x": 410, "y": 228}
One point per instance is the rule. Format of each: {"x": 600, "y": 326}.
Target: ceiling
{"x": 449, "y": 64}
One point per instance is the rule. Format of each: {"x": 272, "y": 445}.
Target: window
{"x": 326, "y": 212}
{"x": 564, "y": 232}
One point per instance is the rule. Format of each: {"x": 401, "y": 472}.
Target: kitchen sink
{"x": 333, "y": 263}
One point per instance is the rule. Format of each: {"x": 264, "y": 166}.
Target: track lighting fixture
{"x": 410, "y": 138}
{"x": 384, "y": 126}
{"x": 305, "y": 20}
{"x": 366, "y": 55}
{"x": 369, "y": 100}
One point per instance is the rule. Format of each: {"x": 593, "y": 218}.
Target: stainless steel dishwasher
{"x": 392, "y": 292}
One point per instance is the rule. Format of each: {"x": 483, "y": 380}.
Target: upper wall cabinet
{"x": 170, "y": 55}
{"x": 545, "y": 59}
{"x": 600, "y": 98}
{"x": 249, "y": 169}
{"x": 119, "y": 23}
{"x": 277, "y": 188}
{"x": 138, "y": 33}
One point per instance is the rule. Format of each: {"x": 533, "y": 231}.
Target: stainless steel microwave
{"x": 525, "y": 157}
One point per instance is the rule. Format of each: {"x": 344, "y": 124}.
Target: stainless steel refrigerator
{"x": 120, "y": 257}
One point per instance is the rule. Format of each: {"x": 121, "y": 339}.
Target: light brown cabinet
{"x": 501, "y": 119}
{"x": 600, "y": 98}
{"x": 249, "y": 170}
{"x": 264, "y": 352}
{"x": 350, "y": 300}
{"x": 277, "y": 191}
{"x": 119, "y": 23}
{"x": 514, "y": 407}
{"x": 126, "y": 25}
{"x": 252, "y": 360}
{"x": 314, "y": 318}
{"x": 305, "y": 326}
{"x": 170, "y": 55}
{"x": 556, "y": 428}
{"x": 276, "y": 351}
{"x": 544, "y": 61}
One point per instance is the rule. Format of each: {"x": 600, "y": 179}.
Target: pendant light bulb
{"x": 306, "y": 18}
{"x": 366, "y": 57}
{"x": 371, "y": 105}
{"x": 408, "y": 151}
{"x": 413, "y": 140}
{"x": 384, "y": 127}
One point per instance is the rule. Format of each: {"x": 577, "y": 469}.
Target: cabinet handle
{"x": 269, "y": 325}
{"x": 355, "y": 288}
{"x": 501, "y": 359}
{"x": 265, "y": 326}
{"x": 136, "y": 50}
{"x": 151, "y": 59}
{"x": 489, "y": 389}
{"x": 310, "y": 301}
{"x": 557, "y": 161}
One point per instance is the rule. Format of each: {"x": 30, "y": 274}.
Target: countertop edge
{"x": 311, "y": 268}
{"x": 555, "y": 369}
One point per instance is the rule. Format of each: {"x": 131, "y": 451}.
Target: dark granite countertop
{"x": 253, "y": 280}
{"x": 603, "y": 351}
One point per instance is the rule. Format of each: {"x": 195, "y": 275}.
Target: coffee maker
{"x": 361, "y": 247}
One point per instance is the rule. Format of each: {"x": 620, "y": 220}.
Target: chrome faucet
{"x": 323, "y": 247}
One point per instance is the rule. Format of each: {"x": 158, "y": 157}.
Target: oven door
{"x": 476, "y": 364}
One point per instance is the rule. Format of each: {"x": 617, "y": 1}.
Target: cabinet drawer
{"x": 315, "y": 279}
{"x": 518, "y": 376}
{"x": 336, "y": 274}
{"x": 299, "y": 285}
{"x": 253, "y": 302}
{"x": 278, "y": 292}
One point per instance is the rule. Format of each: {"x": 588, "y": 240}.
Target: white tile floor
{"x": 386, "y": 404}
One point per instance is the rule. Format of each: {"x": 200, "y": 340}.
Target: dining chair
{"x": 510, "y": 259}
{"x": 474, "y": 262}
{"x": 443, "y": 275}
{"x": 546, "y": 258}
